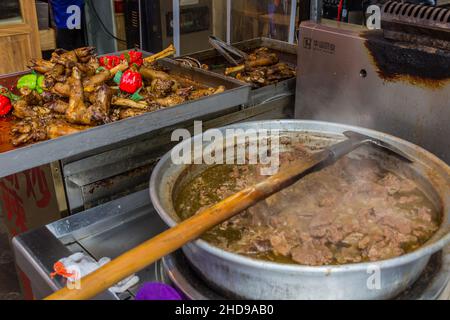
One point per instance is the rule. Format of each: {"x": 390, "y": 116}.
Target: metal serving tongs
{"x": 167, "y": 242}
{"x": 227, "y": 51}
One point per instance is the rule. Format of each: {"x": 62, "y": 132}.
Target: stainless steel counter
{"x": 105, "y": 231}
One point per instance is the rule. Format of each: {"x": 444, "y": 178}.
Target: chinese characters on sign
{"x": 18, "y": 189}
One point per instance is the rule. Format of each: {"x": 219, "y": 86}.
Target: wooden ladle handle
{"x": 174, "y": 238}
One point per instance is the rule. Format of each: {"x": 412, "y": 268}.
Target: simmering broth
{"x": 353, "y": 211}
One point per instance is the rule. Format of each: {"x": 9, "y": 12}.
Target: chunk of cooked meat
{"x": 66, "y": 58}
{"x": 262, "y": 60}
{"x": 22, "y": 110}
{"x": 280, "y": 244}
{"x": 129, "y": 112}
{"x": 124, "y": 113}
{"x": 57, "y": 73}
{"x": 162, "y": 88}
{"x": 58, "y": 106}
{"x": 42, "y": 128}
{"x": 90, "y": 83}
{"x": 78, "y": 112}
{"x": 200, "y": 93}
{"x": 171, "y": 100}
{"x": 152, "y": 74}
{"x": 41, "y": 65}
{"x": 84, "y": 54}
{"x": 312, "y": 253}
{"x": 101, "y": 107}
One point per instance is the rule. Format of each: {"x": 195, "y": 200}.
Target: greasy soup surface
{"x": 353, "y": 211}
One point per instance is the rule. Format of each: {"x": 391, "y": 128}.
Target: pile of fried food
{"x": 262, "y": 68}
{"x": 79, "y": 91}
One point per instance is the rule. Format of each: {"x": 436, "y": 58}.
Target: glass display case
{"x": 274, "y": 19}
{"x": 188, "y": 23}
{"x": 154, "y": 24}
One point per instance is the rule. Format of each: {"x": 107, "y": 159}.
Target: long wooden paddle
{"x": 169, "y": 241}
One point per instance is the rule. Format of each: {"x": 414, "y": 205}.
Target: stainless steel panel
{"x": 107, "y": 230}
{"x": 339, "y": 82}
{"x": 119, "y": 239}
{"x": 35, "y": 253}
{"x": 316, "y": 10}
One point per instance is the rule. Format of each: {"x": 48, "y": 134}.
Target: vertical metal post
{"x": 176, "y": 26}
{"x": 229, "y": 21}
{"x": 114, "y": 27}
{"x": 316, "y": 10}
{"x": 292, "y": 21}
{"x": 141, "y": 26}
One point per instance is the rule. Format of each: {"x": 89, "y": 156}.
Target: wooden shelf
{"x": 48, "y": 39}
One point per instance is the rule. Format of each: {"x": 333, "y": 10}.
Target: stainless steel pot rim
{"x": 261, "y": 264}
{"x": 425, "y": 250}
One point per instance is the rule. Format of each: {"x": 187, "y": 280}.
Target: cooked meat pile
{"x": 78, "y": 94}
{"x": 262, "y": 68}
{"x": 354, "y": 211}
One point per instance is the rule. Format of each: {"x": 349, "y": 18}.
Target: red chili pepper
{"x": 109, "y": 62}
{"x": 5, "y": 105}
{"x": 133, "y": 57}
{"x": 131, "y": 81}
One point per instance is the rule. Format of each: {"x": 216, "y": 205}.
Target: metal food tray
{"x": 287, "y": 53}
{"x": 44, "y": 152}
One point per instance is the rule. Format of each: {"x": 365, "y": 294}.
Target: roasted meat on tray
{"x": 76, "y": 90}
{"x": 262, "y": 68}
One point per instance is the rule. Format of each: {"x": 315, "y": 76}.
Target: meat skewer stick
{"x": 150, "y": 251}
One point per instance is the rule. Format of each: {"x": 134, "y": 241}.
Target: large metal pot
{"x": 239, "y": 276}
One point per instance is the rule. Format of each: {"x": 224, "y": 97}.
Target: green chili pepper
{"x": 136, "y": 96}
{"x": 27, "y": 81}
{"x": 100, "y": 69}
{"x": 39, "y": 84}
{"x": 118, "y": 76}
